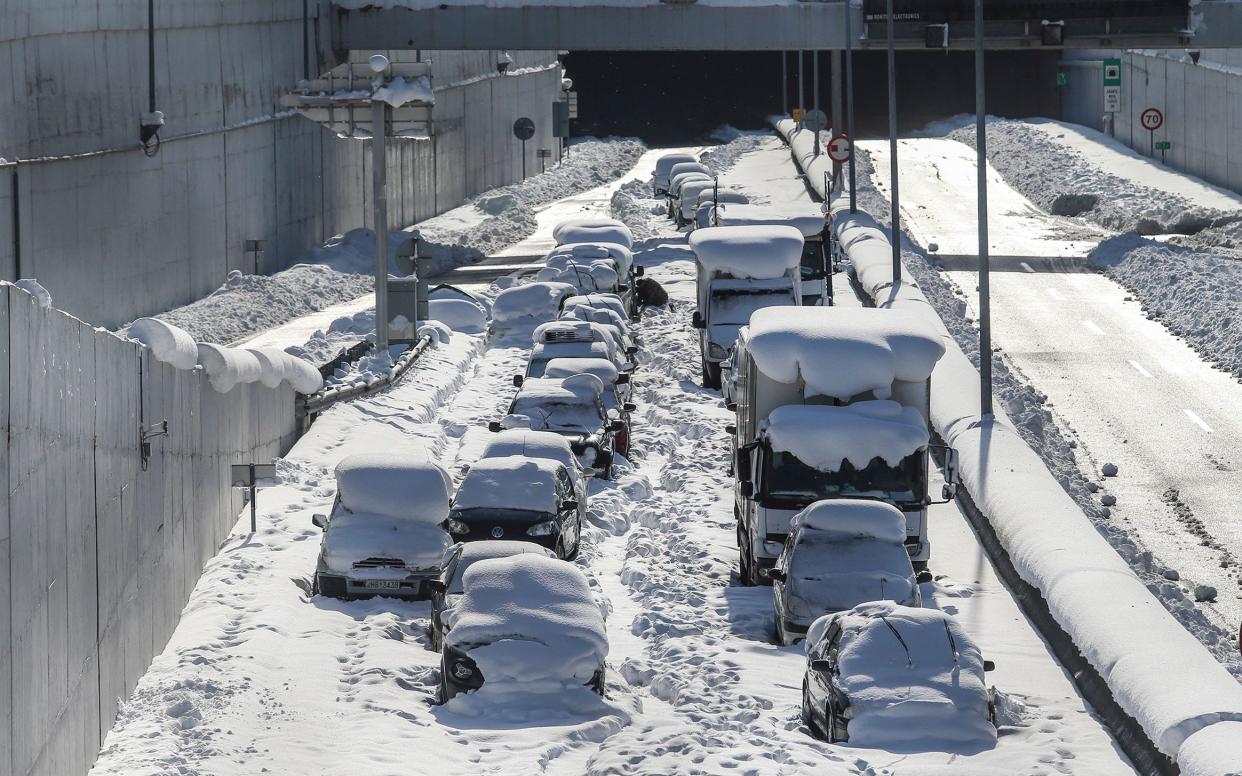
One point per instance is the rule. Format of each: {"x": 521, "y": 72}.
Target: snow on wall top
{"x": 758, "y": 252}
{"x": 168, "y": 343}
{"x": 841, "y": 351}
{"x": 806, "y": 219}
{"x": 823, "y": 436}
{"x": 400, "y": 91}
{"x": 596, "y": 229}
{"x": 851, "y": 518}
{"x": 509, "y": 482}
{"x": 406, "y": 485}
{"x": 529, "y": 619}
{"x": 903, "y": 696}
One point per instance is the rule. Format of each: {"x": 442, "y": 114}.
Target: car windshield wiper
{"x": 906, "y": 647}
{"x": 952, "y": 642}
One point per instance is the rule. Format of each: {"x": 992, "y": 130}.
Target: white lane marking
{"x": 1055, "y": 294}
{"x": 1090, "y": 326}
{"x": 1026, "y": 266}
{"x": 1198, "y": 421}
{"x": 1139, "y": 368}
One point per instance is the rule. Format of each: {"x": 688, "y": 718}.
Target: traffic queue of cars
{"x": 493, "y": 554}
{"x": 831, "y": 465}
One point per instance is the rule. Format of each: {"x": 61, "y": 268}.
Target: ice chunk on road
{"x": 823, "y": 436}
{"x": 842, "y": 352}
{"x": 405, "y": 484}
{"x": 760, "y": 252}
{"x": 168, "y": 343}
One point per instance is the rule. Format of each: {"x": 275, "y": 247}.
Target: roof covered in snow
{"x": 620, "y": 255}
{"x": 509, "y": 482}
{"x": 530, "y": 619}
{"x": 829, "y": 571}
{"x": 602, "y": 368}
{"x": 579, "y": 387}
{"x": 848, "y": 518}
{"x": 842, "y": 351}
{"x": 593, "y": 229}
{"x": 748, "y": 251}
{"x": 823, "y": 436}
{"x": 805, "y": 218}
{"x": 609, "y": 301}
{"x": 405, "y": 485}
{"x": 539, "y": 300}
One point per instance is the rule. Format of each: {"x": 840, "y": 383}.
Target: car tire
{"x": 442, "y": 693}
{"x": 838, "y": 729}
{"x": 808, "y": 718}
{"x": 779, "y": 630}
{"x": 747, "y": 567}
{"x": 711, "y": 375}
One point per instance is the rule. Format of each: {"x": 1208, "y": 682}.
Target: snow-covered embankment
{"x": 1185, "y": 701}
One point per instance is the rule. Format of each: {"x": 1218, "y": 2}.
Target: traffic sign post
{"x": 1152, "y": 119}
{"x": 839, "y": 148}
{"x": 523, "y": 129}
{"x": 1112, "y": 89}
{"x": 1162, "y": 146}
{"x": 815, "y": 120}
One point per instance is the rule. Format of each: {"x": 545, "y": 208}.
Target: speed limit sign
{"x": 1152, "y": 119}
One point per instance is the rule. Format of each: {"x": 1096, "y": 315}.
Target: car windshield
{"x": 548, "y": 415}
{"x": 454, "y": 586}
{"x": 789, "y": 483}
{"x": 733, "y": 306}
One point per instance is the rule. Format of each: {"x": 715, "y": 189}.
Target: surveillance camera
{"x": 379, "y": 63}
{"x": 503, "y": 61}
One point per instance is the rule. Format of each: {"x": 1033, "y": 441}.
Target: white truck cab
{"x": 806, "y": 218}
{"x": 831, "y": 403}
{"x": 740, "y": 269}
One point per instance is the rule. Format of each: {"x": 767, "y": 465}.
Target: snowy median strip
{"x": 1157, "y": 671}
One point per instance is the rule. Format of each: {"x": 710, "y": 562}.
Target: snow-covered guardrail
{"x": 1185, "y": 701}
{"x": 312, "y": 405}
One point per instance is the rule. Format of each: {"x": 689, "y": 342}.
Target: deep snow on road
{"x": 1126, "y": 390}
{"x": 262, "y": 677}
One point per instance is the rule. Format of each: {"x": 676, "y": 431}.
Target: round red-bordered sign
{"x": 1152, "y": 119}
{"x": 839, "y": 148}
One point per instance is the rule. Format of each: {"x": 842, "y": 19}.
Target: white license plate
{"x": 383, "y": 584}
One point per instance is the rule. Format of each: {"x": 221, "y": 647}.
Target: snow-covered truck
{"x": 807, "y": 219}
{"x": 831, "y": 402}
{"x": 740, "y": 269}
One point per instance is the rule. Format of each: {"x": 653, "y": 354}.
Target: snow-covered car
{"x": 528, "y": 305}
{"x": 593, "y": 229}
{"x": 687, "y": 201}
{"x": 525, "y": 625}
{"x": 892, "y": 676}
{"x": 614, "y": 384}
{"x": 515, "y": 497}
{"x": 565, "y": 329}
{"x": 677, "y": 182}
{"x": 605, "y": 315}
{"x": 615, "y": 256}
{"x": 659, "y": 176}
{"x": 588, "y": 277}
{"x": 838, "y": 554}
{"x": 704, "y": 210}
{"x": 384, "y": 534}
{"x": 573, "y": 339}
{"x": 572, "y": 407}
{"x": 537, "y": 444}
{"x": 605, "y": 301}
{"x": 685, "y": 168}
{"x": 448, "y": 589}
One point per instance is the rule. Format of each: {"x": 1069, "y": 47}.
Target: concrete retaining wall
{"x": 1202, "y": 106}
{"x": 115, "y": 234}
{"x": 98, "y": 554}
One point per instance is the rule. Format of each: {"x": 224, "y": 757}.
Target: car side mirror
{"x": 630, "y": 406}
{"x": 518, "y": 380}
{"x": 569, "y": 506}
{"x": 319, "y": 520}
{"x": 696, "y": 321}
{"x": 640, "y": 271}
{"x": 820, "y": 664}
{"x": 494, "y": 426}
{"x": 730, "y": 429}
{"x": 988, "y": 665}
{"x": 746, "y": 488}
{"x": 435, "y": 586}
{"x": 742, "y": 464}
{"x": 948, "y": 492}
{"x": 776, "y": 574}
{"x": 623, "y": 378}
{"x": 617, "y": 426}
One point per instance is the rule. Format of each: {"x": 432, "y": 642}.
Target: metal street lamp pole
{"x": 849, "y": 99}
{"x": 981, "y": 174}
{"x": 379, "y": 175}
{"x": 892, "y": 149}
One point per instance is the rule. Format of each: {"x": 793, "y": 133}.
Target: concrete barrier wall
{"x": 98, "y": 554}
{"x": 1201, "y": 103}
{"x": 115, "y": 234}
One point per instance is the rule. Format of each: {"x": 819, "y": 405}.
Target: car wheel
{"x": 711, "y": 375}
{"x": 607, "y": 465}
{"x": 436, "y": 639}
{"x": 808, "y": 718}
{"x": 838, "y": 728}
{"x": 746, "y": 566}
{"x": 444, "y": 690}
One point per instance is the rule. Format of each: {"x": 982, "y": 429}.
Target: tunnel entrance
{"x": 670, "y": 98}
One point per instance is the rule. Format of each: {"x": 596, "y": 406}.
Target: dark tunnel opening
{"x": 670, "y": 98}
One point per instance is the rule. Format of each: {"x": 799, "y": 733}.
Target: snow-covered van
{"x": 807, "y": 219}
{"x": 740, "y": 269}
{"x": 659, "y": 176}
{"x": 831, "y": 403}
{"x": 384, "y": 534}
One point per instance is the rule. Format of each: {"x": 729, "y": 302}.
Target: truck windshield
{"x": 733, "y": 306}
{"x": 791, "y": 484}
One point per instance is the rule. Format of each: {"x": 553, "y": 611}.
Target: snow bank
{"x": 824, "y": 436}
{"x": 228, "y": 367}
{"x": 533, "y": 302}
{"x": 529, "y": 619}
{"x": 916, "y": 695}
{"x": 509, "y": 482}
{"x": 759, "y": 252}
{"x": 34, "y": 288}
{"x": 406, "y": 485}
{"x": 593, "y": 229}
{"x": 815, "y": 345}
{"x": 458, "y": 314}
{"x": 806, "y": 219}
{"x": 356, "y": 536}
{"x": 1213, "y": 751}
{"x": 167, "y": 342}
{"x": 847, "y": 518}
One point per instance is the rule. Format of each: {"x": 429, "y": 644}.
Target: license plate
{"x": 383, "y": 584}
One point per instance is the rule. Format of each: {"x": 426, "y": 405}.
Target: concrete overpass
{"x": 774, "y": 25}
